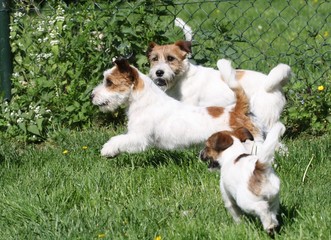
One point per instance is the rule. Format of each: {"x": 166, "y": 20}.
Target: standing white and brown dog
{"x": 203, "y": 86}
{"x": 248, "y": 183}
{"x": 155, "y": 119}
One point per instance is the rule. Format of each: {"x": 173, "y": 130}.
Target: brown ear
{"x": 220, "y": 141}
{"x": 150, "y": 48}
{"x": 243, "y": 134}
{"x": 122, "y": 64}
{"x": 124, "y": 67}
{"x": 184, "y": 46}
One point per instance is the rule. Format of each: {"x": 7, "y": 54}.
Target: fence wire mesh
{"x": 70, "y": 43}
{"x": 253, "y": 34}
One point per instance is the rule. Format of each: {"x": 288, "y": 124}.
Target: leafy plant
{"x": 60, "y": 54}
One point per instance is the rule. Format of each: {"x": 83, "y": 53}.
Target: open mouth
{"x": 160, "y": 82}
{"x": 102, "y": 104}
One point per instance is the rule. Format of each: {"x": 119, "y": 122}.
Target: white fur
{"x": 185, "y": 27}
{"x": 155, "y": 119}
{"x": 265, "y": 93}
{"x": 203, "y": 86}
{"x": 235, "y": 178}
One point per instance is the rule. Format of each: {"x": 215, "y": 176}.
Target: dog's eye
{"x": 154, "y": 59}
{"x": 170, "y": 58}
{"x": 108, "y": 82}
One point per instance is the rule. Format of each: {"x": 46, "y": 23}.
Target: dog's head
{"x": 118, "y": 84}
{"x": 167, "y": 62}
{"x": 220, "y": 142}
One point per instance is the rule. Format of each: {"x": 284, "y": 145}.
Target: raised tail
{"x": 186, "y": 28}
{"x": 228, "y": 75}
{"x": 266, "y": 154}
{"x": 277, "y": 77}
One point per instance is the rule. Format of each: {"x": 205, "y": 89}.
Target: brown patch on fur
{"x": 184, "y": 45}
{"x": 122, "y": 78}
{"x": 240, "y": 74}
{"x": 172, "y": 54}
{"x": 243, "y": 134}
{"x": 215, "y": 112}
{"x": 238, "y": 116}
{"x": 216, "y": 144}
{"x": 240, "y": 157}
{"x": 118, "y": 82}
{"x": 257, "y": 178}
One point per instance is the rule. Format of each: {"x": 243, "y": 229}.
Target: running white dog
{"x": 155, "y": 119}
{"x": 202, "y": 86}
{"x": 248, "y": 182}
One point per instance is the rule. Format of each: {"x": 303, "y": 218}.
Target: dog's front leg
{"x": 123, "y": 143}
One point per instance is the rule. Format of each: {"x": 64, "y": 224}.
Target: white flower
{"x": 40, "y": 29}
{"x": 52, "y": 34}
{"x": 16, "y": 74}
{"x": 20, "y": 120}
{"x": 59, "y": 18}
{"x": 54, "y": 42}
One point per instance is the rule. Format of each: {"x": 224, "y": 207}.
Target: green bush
{"x": 60, "y": 54}
{"x": 61, "y": 51}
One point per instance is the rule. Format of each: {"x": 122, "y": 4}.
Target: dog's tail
{"x": 266, "y": 155}
{"x": 278, "y": 76}
{"x": 186, "y": 29}
{"x": 228, "y": 75}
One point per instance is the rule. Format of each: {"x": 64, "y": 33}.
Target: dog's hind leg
{"x": 231, "y": 205}
{"x": 262, "y": 210}
{"x": 124, "y": 143}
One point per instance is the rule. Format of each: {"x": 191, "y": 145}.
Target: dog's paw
{"x": 271, "y": 230}
{"x": 109, "y": 150}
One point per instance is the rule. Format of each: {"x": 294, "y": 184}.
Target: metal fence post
{"x": 6, "y": 65}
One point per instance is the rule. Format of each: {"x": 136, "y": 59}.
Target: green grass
{"x": 46, "y": 194}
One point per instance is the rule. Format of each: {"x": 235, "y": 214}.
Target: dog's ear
{"x": 123, "y": 66}
{"x": 243, "y": 134}
{"x": 150, "y": 48}
{"x": 184, "y": 46}
{"x": 220, "y": 141}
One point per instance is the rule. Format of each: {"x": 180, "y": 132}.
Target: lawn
{"x": 63, "y": 189}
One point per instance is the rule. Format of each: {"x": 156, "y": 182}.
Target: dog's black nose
{"x": 91, "y": 96}
{"x": 160, "y": 82}
{"x": 159, "y": 73}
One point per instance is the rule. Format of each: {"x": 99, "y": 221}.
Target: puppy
{"x": 248, "y": 183}
{"x": 155, "y": 119}
{"x": 171, "y": 70}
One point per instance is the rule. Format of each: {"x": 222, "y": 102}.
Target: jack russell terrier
{"x": 172, "y": 71}
{"x": 248, "y": 182}
{"x": 155, "y": 119}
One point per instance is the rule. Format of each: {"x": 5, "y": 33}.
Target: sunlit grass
{"x": 48, "y": 194}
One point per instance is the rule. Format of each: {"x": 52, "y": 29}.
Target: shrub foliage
{"x": 61, "y": 51}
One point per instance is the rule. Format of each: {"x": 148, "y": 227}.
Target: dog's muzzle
{"x": 212, "y": 163}
{"x": 160, "y": 82}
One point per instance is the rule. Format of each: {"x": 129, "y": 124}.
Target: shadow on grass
{"x": 156, "y": 158}
{"x": 286, "y": 217}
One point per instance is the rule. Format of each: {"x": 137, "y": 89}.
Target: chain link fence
{"x": 70, "y": 43}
